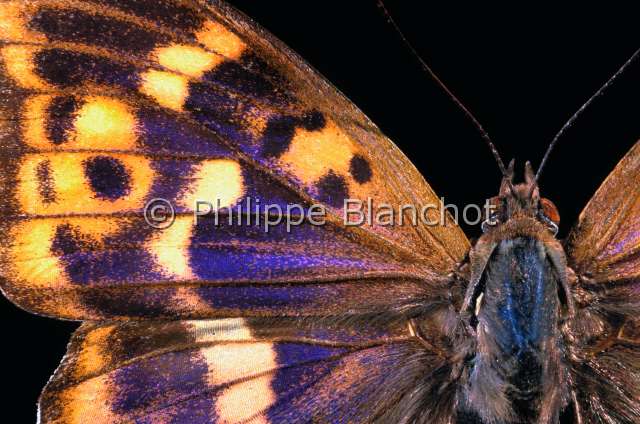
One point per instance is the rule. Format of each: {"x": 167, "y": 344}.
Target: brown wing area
{"x": 604, "y": 247}
{"x": 604, "y": 336}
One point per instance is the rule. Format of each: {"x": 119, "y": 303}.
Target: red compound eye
{"x": 549, "y": 210}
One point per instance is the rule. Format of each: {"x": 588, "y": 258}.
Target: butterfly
{"x": 108, "y": 105}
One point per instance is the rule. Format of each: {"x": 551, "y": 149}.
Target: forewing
{"x": 108, "y": 105}
{"x": 604, "y": 336}
{"x": 604, "y": 247}
{"x": 234, "y": 371}
{"x": 399, "y": 181}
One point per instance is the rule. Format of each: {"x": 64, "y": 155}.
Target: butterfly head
{"x": 516, "y": 201}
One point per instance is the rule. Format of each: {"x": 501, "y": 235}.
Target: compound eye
{"x": 550, "y": 210}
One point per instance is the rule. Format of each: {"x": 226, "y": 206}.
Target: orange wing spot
{"x": 92, "y": 356}
{"x": 219, "y": 39}
{"x": 218, "y": 182}
{"x": 170, "y": 248}
{"x": 97, "y": 228}
{"x": 73, "y": 193}
{"x": 312, "y": 154}
{"x": 30, "y": 255}
{"x": 104, "y": 123}
{"x": 188, "y": 60}
{"x": 18, "y": 62}
{"x": 88, "y": 402}
{"x": 12, "y": 23}
{"x": 168, "y": 89}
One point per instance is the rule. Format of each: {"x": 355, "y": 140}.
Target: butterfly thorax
{"x": 519, "y": 354}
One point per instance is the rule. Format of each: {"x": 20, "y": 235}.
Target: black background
{"x": 522, "y": 70}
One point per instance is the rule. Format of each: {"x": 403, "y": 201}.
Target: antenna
{"x": 573, "y": 118}
{"x": 432, "y": 74}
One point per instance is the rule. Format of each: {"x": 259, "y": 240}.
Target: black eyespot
{"x": 108, "y": 177}
{"x": 332, "y": 190}
{"x": 360, "y": 169}
{"x": 277, "y": 136}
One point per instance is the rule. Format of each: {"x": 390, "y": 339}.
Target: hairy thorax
{"x": 517, "y": 374}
